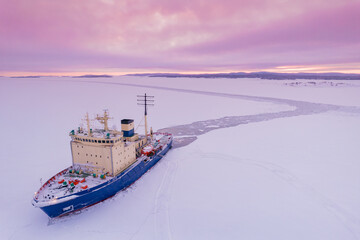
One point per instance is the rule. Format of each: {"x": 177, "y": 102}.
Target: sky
{"x": 191, "y": 36}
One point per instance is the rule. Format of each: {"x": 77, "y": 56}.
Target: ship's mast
{"x": 88, "y": 124}
{"x": 146, "y": 101}
{"x": 104, "y": 120}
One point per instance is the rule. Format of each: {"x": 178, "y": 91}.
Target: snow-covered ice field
{"x": 272, "y": 159}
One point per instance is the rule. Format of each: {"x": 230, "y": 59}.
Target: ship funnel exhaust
{"x": 127, "y": 127}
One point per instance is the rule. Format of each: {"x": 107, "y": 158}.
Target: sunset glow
{"x": 43, "y": 37}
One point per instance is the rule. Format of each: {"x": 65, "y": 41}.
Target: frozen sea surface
{"x": 255, "y": 159}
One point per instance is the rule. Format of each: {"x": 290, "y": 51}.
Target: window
{"x": 86, "y": 154}
{"x": 95, "y": 155}
{"x": 92, "y": 140}
{"x": 78, "y": 153}
{"x": 103, "y": 141}
{"x": 111, "y": 141}
{"x": 107, "y": 141}
{"x": 96, "y": 141}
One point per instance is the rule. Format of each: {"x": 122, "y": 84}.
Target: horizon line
{"x": 124, "y": 73}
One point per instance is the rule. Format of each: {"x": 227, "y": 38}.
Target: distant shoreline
{"x": 261, "y": 75}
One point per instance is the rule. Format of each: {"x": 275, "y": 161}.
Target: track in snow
{"x": 347, "y": 219}
{"x": 161, "y": 204}
{"x": 187, "y": 133}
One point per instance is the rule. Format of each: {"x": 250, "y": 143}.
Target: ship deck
{"x": 66, "y": 183}
{"x": 70, "y": 181}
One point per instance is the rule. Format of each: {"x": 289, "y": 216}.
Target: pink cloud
{"x": 176, "y": 35}
{"x": 333, "y": 27}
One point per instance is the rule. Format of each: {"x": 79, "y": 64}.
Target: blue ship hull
{"x": 103, "y": 191}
